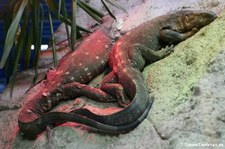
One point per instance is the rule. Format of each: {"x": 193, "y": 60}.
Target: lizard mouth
{"x": 202, "y": 19}
{"x": 210, "y": 16}
{"x": 196, "y": 19}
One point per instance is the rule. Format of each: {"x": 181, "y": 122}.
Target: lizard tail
{"x": 32, "y": 129}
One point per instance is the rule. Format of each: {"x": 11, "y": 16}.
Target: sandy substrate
{"x": 187, "y": 87}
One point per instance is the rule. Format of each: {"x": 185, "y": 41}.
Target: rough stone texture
{"x": 152, "y": 8}
{"x": 187, "y": 86}
{"x": 188, "y": 110}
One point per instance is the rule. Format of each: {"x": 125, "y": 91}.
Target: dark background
{"x": 45, "y": 37}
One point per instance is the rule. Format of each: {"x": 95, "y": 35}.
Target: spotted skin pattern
{"x": 125, "y": 82}
{"x": 80, "y": 66}
{"x": 140, "y": 46}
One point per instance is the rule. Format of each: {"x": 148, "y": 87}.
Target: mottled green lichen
{"x": 172, "y": 79}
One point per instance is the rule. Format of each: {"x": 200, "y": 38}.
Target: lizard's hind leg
{"x": 112, "y": 87}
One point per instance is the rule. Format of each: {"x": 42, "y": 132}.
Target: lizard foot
{"x": 122, "y": 100}
{"x": 166, "y": 51}
{"x": 118, "y": 91}
{"x": 124, "y": 104}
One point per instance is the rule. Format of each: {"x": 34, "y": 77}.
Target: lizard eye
{"x": 166, "y": 27}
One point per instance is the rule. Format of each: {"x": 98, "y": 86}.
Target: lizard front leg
{"x": 170, "y": 36}
{"x": 76, "y": 88}
{"x": 150, "y": 54}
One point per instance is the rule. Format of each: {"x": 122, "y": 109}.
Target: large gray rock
{"x": 187, "y": 110}
{"x": 187, "y": 87}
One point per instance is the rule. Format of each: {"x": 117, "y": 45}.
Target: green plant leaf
{"x": 73, "y": 24}
{"x": 80, "y": 28}
{"x": 27, "y": 52}
{"x": 52, "y": 31}
{"x": 91, "y": 11}
{"x": 51, "y": 4}
{"x": 52, "y": 39}
{"x": 59, "y": 8}
{"x": 64, "y": 12}
{"x": 115, "y": 4}
{"x": 34, "y": 36}
{"x": 18, "y": 52}
{"x": 107, "y": 8}
{"x": 38, "y": 18}
{"x": 29, "y": 38}
{"x": 11, "y": 33}
{"x": 7, "y": 66}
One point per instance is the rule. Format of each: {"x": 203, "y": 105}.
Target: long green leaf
{"x": 18, "y": 52}
{"x": 79, "y": 28}
{"x": 64, "y": 12}
{"x": 11, "y": 34}
{"x": 87, "y": 9}
{"x": 115, "y": 4}
{"x": 73, "y": 23}
{"x": 38, "y": 28}
{"x": 36, "y": 36}
{"x": 29, "y": 39}
{"x": 28, "y": 48}
{"x": 7, "y": 23}
{"x": 91, "y": 9}
{"x": 42, "y": 17}
{"x": 52, "y": 39}
{"x": 107, "y": 8}
{"x": 40, "y": 22}
{"x": 59, "y": 8}
{"x": 51, "y": 4}
{"x": 52, "y": 31}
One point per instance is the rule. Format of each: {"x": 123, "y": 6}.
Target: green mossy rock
{"x": 171, "y": 81}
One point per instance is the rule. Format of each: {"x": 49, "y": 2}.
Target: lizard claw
{"x": 167, "y": 50}
{"x": 123, "y": 102}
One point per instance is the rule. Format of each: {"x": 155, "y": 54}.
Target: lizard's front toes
{"x": 168, "y": 49}
{"x": 194, "y": 30}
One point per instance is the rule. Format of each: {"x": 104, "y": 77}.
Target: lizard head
{"x": 195, "y": 19}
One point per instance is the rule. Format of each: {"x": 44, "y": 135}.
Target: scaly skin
{"x": 76, "y": 66}
{"x": 127, "y": 58}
